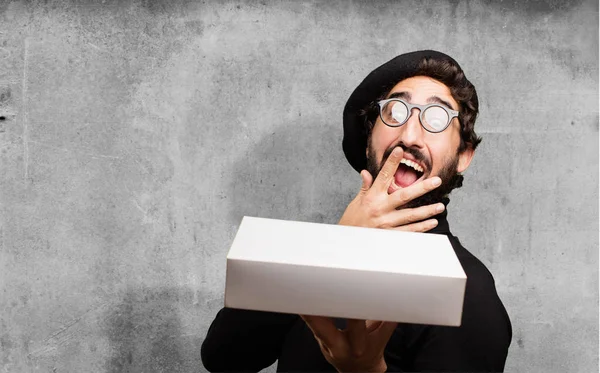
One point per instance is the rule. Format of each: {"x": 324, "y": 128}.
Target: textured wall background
{"x": 134, "y": 137}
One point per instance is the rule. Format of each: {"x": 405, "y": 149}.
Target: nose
{"x": 411, "y": 133}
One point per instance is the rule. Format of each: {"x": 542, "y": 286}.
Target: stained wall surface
{"x": 135, "y": 135}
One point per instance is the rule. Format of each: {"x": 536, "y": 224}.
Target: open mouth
{"x": 408, "y": 173}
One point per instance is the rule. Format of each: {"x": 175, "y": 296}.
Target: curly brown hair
{"x": 451, "y": 75}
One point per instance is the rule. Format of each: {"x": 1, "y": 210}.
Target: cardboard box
{"x": 347, "y": 272}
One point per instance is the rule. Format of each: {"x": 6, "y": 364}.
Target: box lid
{"x": 336, "y": 246}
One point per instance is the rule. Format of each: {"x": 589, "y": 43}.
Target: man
{"x": 409, "y": 131}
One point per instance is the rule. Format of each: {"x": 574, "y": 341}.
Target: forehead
{"x": 421, "y": 88}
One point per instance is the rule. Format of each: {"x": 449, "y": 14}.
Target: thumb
{"x": 367, "y": 181}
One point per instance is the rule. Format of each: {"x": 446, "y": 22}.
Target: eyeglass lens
{"x": 396, "y": 113}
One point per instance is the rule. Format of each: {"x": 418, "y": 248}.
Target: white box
{"x": 347, "y": 272}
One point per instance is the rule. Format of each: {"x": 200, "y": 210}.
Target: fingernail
{"x": 436, "y": 181}
{"x": 440, "y": 207}
{"x": 396, "y": 151}
{"x": 434, "y": 223}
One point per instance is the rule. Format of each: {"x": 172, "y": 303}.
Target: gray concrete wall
{"x": 136, "y": 135}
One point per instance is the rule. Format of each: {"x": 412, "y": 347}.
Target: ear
{"x": 464, "y": 159}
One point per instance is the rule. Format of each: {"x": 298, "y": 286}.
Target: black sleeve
{"x": 448, "y": 350}
{"x": 480, "y": 344}
{"x": 244, "y": 340}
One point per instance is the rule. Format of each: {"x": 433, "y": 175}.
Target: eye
{"x": 398, "y": 111}
{"x": 435, "y": 118}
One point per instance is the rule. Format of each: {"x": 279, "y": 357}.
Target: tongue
{"x": 405, "y": 176}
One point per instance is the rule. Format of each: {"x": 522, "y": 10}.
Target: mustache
{"x": 416, "y": 153}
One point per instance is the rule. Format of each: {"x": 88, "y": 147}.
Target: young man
{"x": 409, "y": 131}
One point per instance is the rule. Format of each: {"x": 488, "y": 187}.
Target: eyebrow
{"x": 430, "y": 100}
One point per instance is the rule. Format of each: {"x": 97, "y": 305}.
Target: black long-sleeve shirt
{"x": 243, "y": 340}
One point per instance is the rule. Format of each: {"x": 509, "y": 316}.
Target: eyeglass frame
{"x": 451, "y": 113}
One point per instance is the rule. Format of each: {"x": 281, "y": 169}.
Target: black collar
{"x": 443, "y": 227}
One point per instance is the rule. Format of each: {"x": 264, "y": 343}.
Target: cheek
{"x": 441, "y": 150}
{"x": 382, "y": 137}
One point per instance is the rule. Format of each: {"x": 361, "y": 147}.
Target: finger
{"x": 387, "y": 172}
{"x": 357, "y": 336}
{"x": 412, "y": 215}
{"x": 326, "y": 351}
{"x": 372, "y": 325}
{"x": 324, "y": 329}
{"x": 403, "y": 196}
{"x": 422, "y": 226}
{"x": 367, "y": 180}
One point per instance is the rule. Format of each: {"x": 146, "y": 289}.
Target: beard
{"x": 451, "y": 179}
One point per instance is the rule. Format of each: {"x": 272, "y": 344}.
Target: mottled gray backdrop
{"x": 134, "y": 137}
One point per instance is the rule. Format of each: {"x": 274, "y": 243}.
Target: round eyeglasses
{"x": 394, "y": 112}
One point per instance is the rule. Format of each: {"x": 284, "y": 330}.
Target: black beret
{"x": 378, "y": 82}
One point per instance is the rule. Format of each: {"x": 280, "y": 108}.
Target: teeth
{"x": 412, "y": 164}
